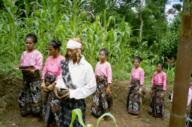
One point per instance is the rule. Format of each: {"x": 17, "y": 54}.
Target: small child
{"x": 159, "y": 86}
{"x": 134, "y": 98}
{"x": 102, "y": 99}
{"x": 30, "y": 65}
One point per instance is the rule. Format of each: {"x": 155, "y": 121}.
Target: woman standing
{"x": 51, "y": 71}
{"x": 77, "y": 82}
{"x": 159, "y": 86}
{"x": 134, "y": 99}
{"x": 102, "y": 99}
{"x": 30, "y": 65}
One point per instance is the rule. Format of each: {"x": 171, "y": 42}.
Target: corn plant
{"x": 77, "y": 114}
{"x": 51, "y": 19}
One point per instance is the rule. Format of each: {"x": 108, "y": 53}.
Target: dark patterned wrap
{"x": 66, "y": 111}
{"x": 134, "y": 98}
{"x": 157, "y": 101}
{"x": 101, "y": 100}
{"x": 68, "y": 105}
{"x": 30, "y": 97}
{"x": 51, "y": 105}
{"x": 66, "y": 75}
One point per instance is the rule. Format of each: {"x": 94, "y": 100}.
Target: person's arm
{"x": 88, "y": 89}
{"x": 109, "y": 74}
{"x": 44, "y": 71}
{"x": 39, "y": 62}
{"x": 142, "y": 77}
{"x": 164, "y": 82}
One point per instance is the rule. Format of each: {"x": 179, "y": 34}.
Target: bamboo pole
{"x": 183, "y": 69}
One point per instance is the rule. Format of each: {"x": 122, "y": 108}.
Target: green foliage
{"x": 99, "y": 24}
{"x": 168, "y": 44}
{"x": 77, "y": 114}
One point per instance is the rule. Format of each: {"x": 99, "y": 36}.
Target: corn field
{"x": 57, "y": 19}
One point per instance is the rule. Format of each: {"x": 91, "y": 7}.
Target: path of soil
{"x": 10, "y": 117}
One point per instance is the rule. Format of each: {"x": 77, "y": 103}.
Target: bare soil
{"x": 10, "y": 116}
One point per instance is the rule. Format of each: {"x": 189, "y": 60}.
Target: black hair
{"x": 33, "y": 36}
{"x": 162, "y": 65}
{"x": 104, "y": 50}
{"x": 56, "y": 44}
{"x": 138, "y": 58}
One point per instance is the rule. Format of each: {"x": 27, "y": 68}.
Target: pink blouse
{"x": 138, "y": 74}
{"x": 104, "y": 69}
{"x": 52, "y": 65}
{"x": 189, "y": 95}
{"x": 33, "y": 58}
{"x": 159, "y": 79}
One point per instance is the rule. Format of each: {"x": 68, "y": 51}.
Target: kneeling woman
{"x": 77, "y": 82}
{"x": 134, "y": 98}
{"x": 51, "y": 71}
{"x": 159, "y": 84}
{"x": 31, "y": 65}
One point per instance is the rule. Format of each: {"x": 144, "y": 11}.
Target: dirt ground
{"x": 10, "y": 117}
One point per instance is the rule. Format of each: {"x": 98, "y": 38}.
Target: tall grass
{"x": 51, "y": 19}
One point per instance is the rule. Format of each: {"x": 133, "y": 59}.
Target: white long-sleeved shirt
{"x": 82, "y": 77}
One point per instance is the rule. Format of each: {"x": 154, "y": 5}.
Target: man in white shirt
{"x": 78, "y": 82}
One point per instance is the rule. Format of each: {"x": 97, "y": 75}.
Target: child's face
{"x": 159, "y": 68}
{"x": 136, "y": 63}
{"x": 29, "y": 44}
{"x": 102, "y": 56}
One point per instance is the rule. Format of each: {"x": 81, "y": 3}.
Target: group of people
{"x": 62, "y": 83}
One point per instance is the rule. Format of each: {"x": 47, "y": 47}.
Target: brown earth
{"x": 10, "y": 117}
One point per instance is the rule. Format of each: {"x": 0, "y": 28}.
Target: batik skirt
{"x": 66, "y": 111}
{"x": 30, "y": 97}
{"x": 102, "y": 101}
{"x": 134, "y": 98}
{"x": 157, "y": 101}
{"x": 51, "y": 105}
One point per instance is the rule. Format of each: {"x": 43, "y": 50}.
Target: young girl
{"x": 51, "y": 71}
{"x": 159, "y": 86}
{"x": 30, "y": 65}
{"x": 102, "y": 99}
{"x": 134, "y": 98}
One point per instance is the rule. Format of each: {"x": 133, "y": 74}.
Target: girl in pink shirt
{"x": 102, "y": 99}
{"x": 159, "y": 86}
{"x": 30, "y": 65}
{"x": 134, "y": 98}
{"x": 51, "y": 70}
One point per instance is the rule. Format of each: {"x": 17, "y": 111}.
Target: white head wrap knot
{"x": 72, "y": 44}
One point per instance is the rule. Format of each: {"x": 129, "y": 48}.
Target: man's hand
{"x": 65, "y": 95}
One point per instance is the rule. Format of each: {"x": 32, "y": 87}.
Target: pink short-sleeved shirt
{"x": 138, "y": 74}
{"x": 160, "y": 79}
{"x": 33, "y": 58}
{"x": 53, "y": 66}
{"x": 104, "y": 69}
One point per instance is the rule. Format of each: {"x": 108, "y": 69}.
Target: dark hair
{"x": 138, "y": 58}
{"x": 33, "y": 36}
{"x": 104, "y": 50}
{"x": 160, "y": 64}
{"x": 55, "y": 43}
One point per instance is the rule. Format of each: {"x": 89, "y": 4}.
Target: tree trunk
{"x": 183, "y": 69}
